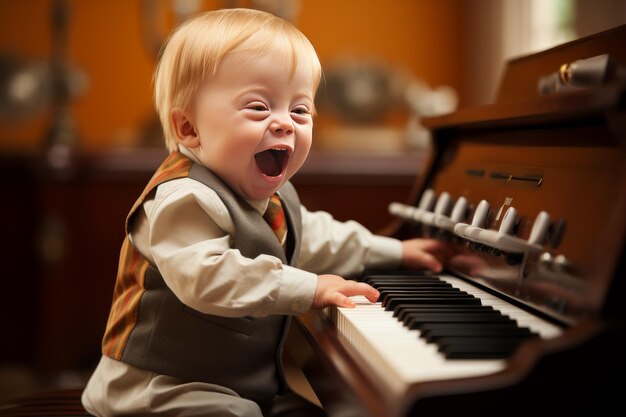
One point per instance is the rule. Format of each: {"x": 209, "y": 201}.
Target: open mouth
{"x": 272, "y": 162}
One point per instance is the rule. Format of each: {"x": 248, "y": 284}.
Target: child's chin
{"x": 262, "y": 193}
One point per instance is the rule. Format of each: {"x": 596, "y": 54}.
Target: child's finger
{"x": 341, "y": 300}
{"x": 361, "y": 288}
{"x": 431, "y": 262}
{"x": 425, "y": 260}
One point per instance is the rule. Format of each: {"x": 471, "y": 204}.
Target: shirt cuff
{"x": 297, "y": 290}
{"x": 385, "y": 252}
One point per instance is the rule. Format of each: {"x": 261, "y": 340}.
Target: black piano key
{"x": 422, "y": 294}
{"x": 390, "y": 280}
{"x": 402, "y": 276}
{"x": 417, "y": 321}
{"x": 416, "y": 277}
{"x": 428, "y": 290}
{"x": 480, "y": 347}
{"x": 490, "y": 353}
{"x": 395, "y": 273}
{"x": 402, "y": 310}
{"x": 387, "y": 296}
{"x": 408, "y": 282}
{"x": 436, "y": 335}
{"x": 412, "y": 285}
{"x": 443, "y": 286}
{"x": 391, "y": 304}
{"x": 429, "y": 327}
{"x": 454, "y": 314}
{"x": 480, "y": 341}
{"x": 460, "y": 313}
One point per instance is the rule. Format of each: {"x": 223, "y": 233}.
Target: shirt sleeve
{"x": 343, "y": 248}
{"x": 187, "y": 234}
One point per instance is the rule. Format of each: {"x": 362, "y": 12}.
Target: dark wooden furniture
{"x": 46, "y": 404}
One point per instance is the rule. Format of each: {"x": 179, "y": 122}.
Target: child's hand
{"x": 425, "y": 253}
{"x": 334, "y": 290}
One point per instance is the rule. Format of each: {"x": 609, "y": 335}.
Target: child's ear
{"x": 185, "y": 131}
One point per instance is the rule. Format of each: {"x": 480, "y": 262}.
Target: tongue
{"x": 270, "y": 162}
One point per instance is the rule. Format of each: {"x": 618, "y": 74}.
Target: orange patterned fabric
{"x": 275, "y": 217}
{"x": 129, "y": 285}
{"x": 126, "y": 295}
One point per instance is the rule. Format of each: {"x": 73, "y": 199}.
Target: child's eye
{"x": 257, "y": 107}
{"x": 301, "y": 110}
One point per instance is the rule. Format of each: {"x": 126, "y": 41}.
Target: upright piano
{"x": 528, "y": 314}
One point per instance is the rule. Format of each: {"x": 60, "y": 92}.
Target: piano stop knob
{"x": 427, "y": 201}
{"x": 546, "y": 260}
{"x": 459, "y": 211}
{"x": 412, "y": 213}
{"x": 508, "y": 221}
{"x": 563, "y": 264}
{"x": 443, "y": 203}
{"x": 539, "y": 232}
{"x": 480, "y": 214}
{"x": 402, "y": 211}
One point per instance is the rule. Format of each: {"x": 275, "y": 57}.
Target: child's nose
{"x": 282, "y": 125}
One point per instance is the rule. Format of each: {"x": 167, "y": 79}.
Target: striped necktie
{"x": 275, "y": 217}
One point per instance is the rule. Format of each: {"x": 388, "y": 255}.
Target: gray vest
{"x": 243, "y": 354}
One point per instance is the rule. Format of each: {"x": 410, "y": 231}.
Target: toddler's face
{"x": 254, "y": 121}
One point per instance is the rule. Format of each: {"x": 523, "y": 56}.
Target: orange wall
{"x": 107, "y": 44}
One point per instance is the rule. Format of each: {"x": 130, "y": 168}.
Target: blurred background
{"x": 79, "y": 137}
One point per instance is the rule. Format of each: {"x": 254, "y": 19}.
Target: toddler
{"x": 219, "y": 253}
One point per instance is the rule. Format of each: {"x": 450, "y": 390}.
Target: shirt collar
{"x": 189, "y": 154}
{"x": 258, "y": 205}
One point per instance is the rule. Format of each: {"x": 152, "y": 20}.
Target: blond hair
{"x": 195, "y": 50}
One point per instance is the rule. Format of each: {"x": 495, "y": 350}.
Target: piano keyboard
{"x": 438, "y": 327}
